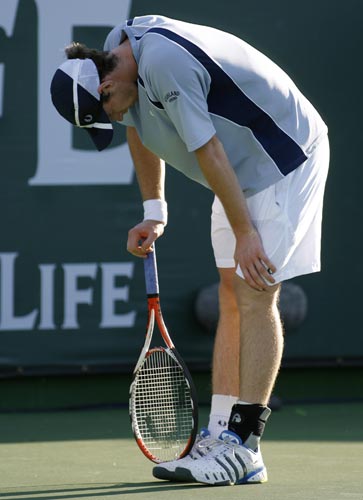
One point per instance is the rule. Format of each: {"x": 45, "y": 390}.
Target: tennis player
{"x": 225, "y": 115}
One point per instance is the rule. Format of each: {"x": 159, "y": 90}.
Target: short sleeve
{"x": 114, "y": 38}
{"x": 181, "y": 84}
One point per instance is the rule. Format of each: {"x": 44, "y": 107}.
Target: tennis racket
{"x": 163, "y": 403}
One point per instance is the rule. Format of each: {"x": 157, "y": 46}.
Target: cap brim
{"x": 82, "y": 108}
{"x": 101, "y": 137}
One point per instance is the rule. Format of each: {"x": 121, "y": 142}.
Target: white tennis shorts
{"x": 288, "y": 217}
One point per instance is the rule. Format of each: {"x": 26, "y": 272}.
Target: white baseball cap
{"x": 75, "y": 96}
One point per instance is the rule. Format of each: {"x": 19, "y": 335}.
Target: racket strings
{"x": 162, "y": 405}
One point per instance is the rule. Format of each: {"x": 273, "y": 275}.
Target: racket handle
{"x": 151, "y": 274}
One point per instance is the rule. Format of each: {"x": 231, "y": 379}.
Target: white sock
{"x": 220, "y": 412}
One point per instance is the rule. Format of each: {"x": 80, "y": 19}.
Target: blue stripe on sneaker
{"x": 246, "y": 479}
{"x": 226, "y": 468}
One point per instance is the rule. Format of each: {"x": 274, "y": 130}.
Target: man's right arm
{"x": 150, "y": 173}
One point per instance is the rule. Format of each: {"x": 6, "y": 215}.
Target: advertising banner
{"x": 71, "y": 298}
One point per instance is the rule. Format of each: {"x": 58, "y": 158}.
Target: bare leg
{"x": 247, "y": 351}
{"x": 225, "y": 374}
{"x": 261, "y": 341}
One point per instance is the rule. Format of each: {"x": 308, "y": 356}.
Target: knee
{"x": 251, "y": 300}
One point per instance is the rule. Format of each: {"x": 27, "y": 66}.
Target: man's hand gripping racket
{"x": 163, "y": 403}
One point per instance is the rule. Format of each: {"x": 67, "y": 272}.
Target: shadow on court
{"x": 103, "y": 491}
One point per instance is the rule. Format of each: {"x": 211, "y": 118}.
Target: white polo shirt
{"x": 196, "y": 81}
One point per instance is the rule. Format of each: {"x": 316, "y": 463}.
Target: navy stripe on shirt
{"x": 227, "y": 100}
{"x": 155, "y": 103}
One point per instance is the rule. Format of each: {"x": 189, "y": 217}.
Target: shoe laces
{"x": 221, "y": 445}
{"x": 203, "y": 445}
{"x": 206, "y": 445}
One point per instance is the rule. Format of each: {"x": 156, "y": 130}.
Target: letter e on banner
{"x": 58, "y": 162}
{"x": 112, "y": 294}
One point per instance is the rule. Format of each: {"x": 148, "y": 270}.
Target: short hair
{"x": 105, "y": 61}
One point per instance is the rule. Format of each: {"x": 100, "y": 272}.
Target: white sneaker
{"x": 202, "y": 446}
{"x": 228, "y": 462}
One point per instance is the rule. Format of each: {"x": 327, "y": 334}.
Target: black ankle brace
{"x": 248, "y": 422}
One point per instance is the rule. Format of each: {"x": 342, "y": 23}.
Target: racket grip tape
{"x": 151, "y": 274}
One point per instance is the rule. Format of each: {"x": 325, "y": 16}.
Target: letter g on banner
{"x": 58, "y": 162}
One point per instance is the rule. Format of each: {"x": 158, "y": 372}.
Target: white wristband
{"x": 156, "y": 210}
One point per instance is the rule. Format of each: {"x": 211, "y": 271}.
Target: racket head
{"x": 163, "y": 406}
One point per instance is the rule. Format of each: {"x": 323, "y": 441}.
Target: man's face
{"x": 117, "y": 98}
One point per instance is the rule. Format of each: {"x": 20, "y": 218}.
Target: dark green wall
{"x": 318, "y": 43}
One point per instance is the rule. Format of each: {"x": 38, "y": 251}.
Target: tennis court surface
{"x": 312, "y": 451}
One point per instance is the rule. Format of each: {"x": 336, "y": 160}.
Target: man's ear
{"x": 105, "y": 86}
